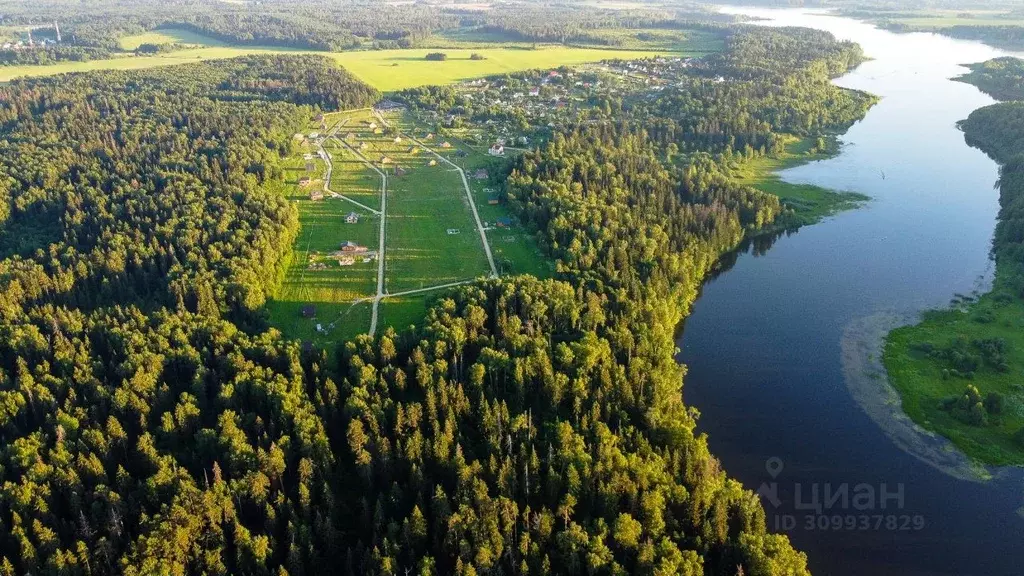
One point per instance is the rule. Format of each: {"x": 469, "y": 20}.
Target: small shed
{"x": 446, "y": 145}
{"x": 352, "y": 218}
{"x": 316, "y": 195}
{"x": 305, "y": 181}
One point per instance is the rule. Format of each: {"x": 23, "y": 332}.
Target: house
{"x": 497, "y": 150}
{"x": 346, "y": 260}
{"x": 352, "y": 218}
{"x": 309, "y": 311}
{"x": 503, "y": 222}
{"x": 305, "y": 181}
{"x": 350, "y": 246}
{"x": 371, "y": 125}
{"x": 316, "y": 195}
{"x": 480, "y": 174}
{"x": 446, "y": 145}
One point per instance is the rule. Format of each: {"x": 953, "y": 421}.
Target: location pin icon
{"x": 774, "y": 466}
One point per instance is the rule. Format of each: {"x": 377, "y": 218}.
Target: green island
{"x": 959, "y": 372}
{"x": 258, "y": 317}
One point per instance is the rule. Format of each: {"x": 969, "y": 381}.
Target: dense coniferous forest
{"x": 1001, "y": 78}
{"x": 150, "y": 423}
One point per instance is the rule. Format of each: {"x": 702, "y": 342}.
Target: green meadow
{"x": 167, "y": 36}
{"x": 924, "y": 383}
{"x": 387, "y": 70}
{"x": 809, "y": 203}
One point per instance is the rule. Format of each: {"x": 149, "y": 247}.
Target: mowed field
{"x": 315, "y": 278}
{"x": 398, "y": 69}
{"x": 167, "y": 36}
{"x": 387, "y": 70}
{"x": 431, "y": 237}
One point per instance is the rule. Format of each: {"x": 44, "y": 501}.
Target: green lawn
{"x": 167, "y": 36}
{"x": 919, "y": 378}
{"x": 809, "y": 203}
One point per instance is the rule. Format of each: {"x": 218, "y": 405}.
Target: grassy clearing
{"x": 167, "y": 36}
{"x": 809, "y": 203}
{"x": 390, "y": 70}
{"x": 424, "y": 203}
{"x": 386, "y": 70}
{"x": 920, "y": 381}
{"x": 405, "y": 311}
{"x": 312, "y": 276}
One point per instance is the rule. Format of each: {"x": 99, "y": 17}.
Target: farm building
{"x": 350, "y": 246}
{"x": 309, "y": 311}
{"x": 389, "y": 106}
{"x": 352, "y": 218}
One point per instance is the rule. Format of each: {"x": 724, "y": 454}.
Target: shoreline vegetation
{"x": 1002, "y": 29}
{"x": 959, "y": 370}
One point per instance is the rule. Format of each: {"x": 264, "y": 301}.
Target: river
{"x": 782, "y": 346}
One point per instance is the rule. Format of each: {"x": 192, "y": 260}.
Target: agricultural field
{"x": 387, "y": 70}
{"x": 167, "y": 36}
{"x": 390, "y": 70}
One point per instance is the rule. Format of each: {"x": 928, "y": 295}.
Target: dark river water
{"x": 782, "y": 347}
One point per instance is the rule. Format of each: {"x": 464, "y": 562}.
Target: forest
{"x": 1001, "y": 78}
{"x": 151, "y": 423}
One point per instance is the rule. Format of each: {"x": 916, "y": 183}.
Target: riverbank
{"x": 805, "y": 203}
{"x": 958, "y": 370}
